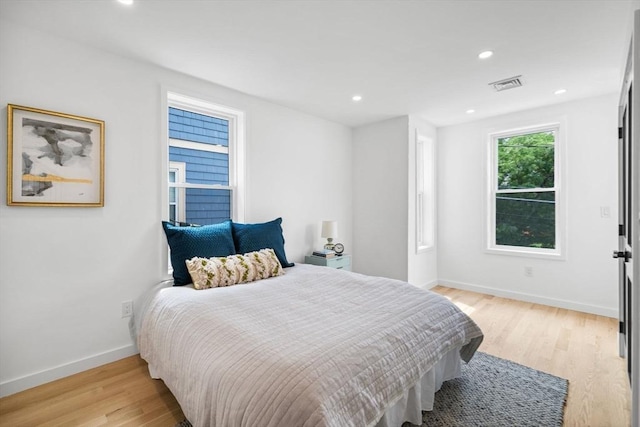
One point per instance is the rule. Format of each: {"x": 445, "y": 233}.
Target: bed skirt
{"x": 420, "y": 398}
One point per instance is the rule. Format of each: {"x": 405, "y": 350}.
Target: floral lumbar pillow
{"x": 233, "y": 269}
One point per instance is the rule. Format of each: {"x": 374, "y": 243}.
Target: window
{"x": 425, "y": 193}
{"x": 205, "y": 142}
{"x": 525, "y": 202}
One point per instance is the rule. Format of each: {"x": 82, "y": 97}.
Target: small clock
{"x": 338, "y": 248}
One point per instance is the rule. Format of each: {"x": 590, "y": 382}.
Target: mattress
{"x": 314, "y": 347}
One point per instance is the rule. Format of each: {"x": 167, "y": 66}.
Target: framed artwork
{"x": 54, "y": 159}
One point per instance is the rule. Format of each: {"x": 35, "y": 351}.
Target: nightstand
{"x": 340, "y": 262}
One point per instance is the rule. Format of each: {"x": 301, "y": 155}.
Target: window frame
{"x": 235, "y": 149}
{"x": 425, "y": 193}
{"x": 559, "y": 252}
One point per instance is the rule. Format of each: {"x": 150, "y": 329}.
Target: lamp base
{"x": 329, "y": 245}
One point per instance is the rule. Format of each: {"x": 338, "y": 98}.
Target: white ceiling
{"x": 403, "y": 57}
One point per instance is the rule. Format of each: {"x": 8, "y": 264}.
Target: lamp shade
{"x": 329, "y": 229}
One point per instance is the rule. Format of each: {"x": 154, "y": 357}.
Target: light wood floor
{"x": 580, "y": 347}
{"x": 577, "y": 346}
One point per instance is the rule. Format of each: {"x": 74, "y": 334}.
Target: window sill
{"x": 424, "y": 249}
{"x": 526, "y": 252}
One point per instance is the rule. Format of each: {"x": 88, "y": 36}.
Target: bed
{"x": 312, "y": 346}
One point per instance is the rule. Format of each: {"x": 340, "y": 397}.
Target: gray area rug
{"x": 495, "y": 392}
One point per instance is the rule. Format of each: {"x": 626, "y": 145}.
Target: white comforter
{"x": 315, "y": 347}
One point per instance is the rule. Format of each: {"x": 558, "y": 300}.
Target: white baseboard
{"x": 520, "y": 296}
{"x": 428, "y": 285}
{"x": 28, "y": 381}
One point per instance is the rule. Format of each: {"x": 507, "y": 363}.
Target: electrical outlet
{"x": 127, "y": 309}
{"x": 528, "y": 271}
{"x": 605, "y": 212}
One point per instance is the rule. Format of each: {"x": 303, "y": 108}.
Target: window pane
{"x": 526, "y": 161}
{"x": 196, "y": 127}
{"x": 526, "y": 219}
{"x": 202, "y": 167}
{"x": 207, "y": 206}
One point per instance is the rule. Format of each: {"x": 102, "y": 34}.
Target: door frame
{"x": 635, "y": 209}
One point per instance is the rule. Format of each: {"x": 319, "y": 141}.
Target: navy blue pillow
{"x": 254, "y": 237}
{"x": 205, "y": 241}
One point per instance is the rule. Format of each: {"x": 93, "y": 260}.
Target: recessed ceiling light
{"x": 486, "y": 54}
{"x": 471, "y": 111}
{"x": 560, "y": 91}
{"x": 357, "y": 98}
{"x": 127, "y": 2}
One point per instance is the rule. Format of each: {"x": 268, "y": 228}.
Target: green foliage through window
{"x": 526, "y": 161}
{"x": 525, "y": 199}
{"x": 526, "y": 219}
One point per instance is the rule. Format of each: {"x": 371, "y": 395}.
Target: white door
{"x": 629, "y": 220}
{"x": 626, "y": 227}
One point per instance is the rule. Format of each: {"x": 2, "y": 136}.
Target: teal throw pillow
{"x": 254, "y": 237}
{"x": 215, "y": 240}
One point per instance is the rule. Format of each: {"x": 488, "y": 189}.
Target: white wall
{"x": 384, "y": 201}
{"x": 587, "y": 279}
{"x": 65, "y": 271}
{"x": 380, "y": 220}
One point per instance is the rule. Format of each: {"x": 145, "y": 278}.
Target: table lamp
{"x": 329, "y": 232}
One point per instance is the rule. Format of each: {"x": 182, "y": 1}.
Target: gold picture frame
{"x": 54, "y": 159}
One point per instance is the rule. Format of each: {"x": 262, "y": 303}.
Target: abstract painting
{"x": 54, "y": 159}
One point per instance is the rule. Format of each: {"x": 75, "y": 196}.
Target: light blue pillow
{"x": 266, "y": 235}
{"x": 215, "y": 240}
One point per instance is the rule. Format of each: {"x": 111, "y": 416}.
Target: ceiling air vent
{"x": 505, "y": 84}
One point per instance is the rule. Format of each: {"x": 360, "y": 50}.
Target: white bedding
{"x": 315, "y": 347}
